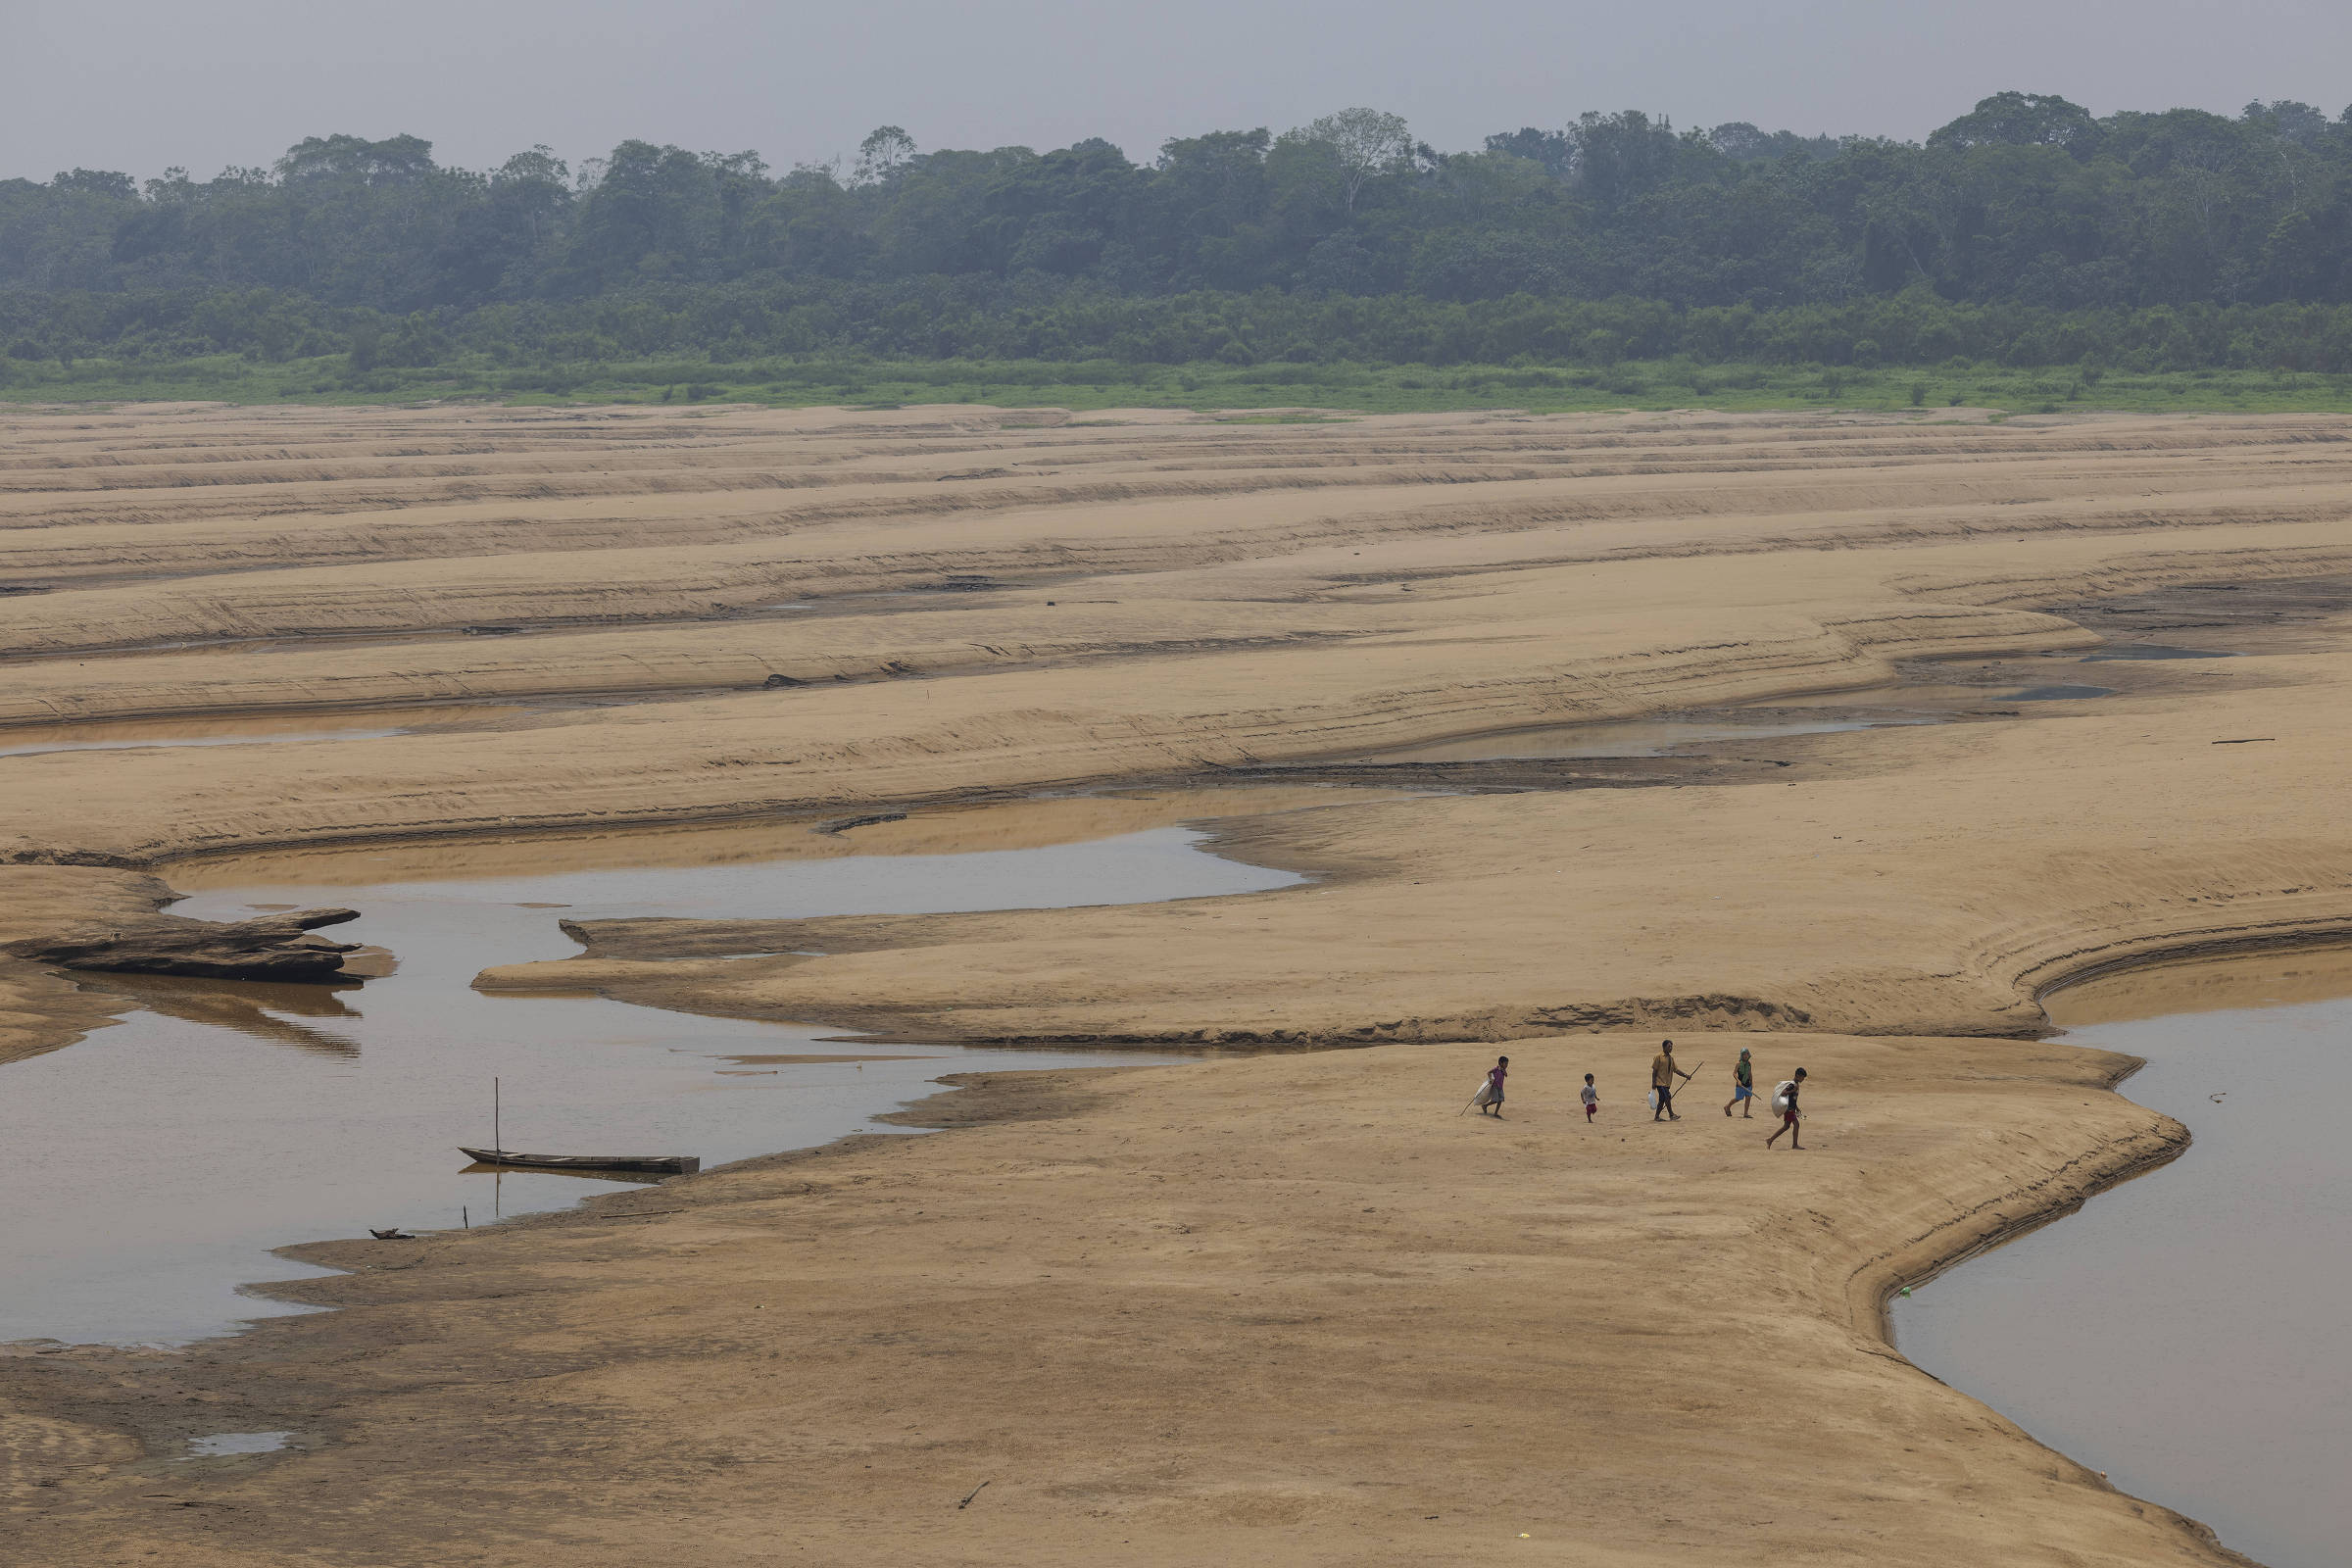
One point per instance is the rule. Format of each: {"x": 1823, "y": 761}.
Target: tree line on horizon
{"x": 1347, "y": 234}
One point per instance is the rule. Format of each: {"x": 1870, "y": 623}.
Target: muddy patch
{"x": 2250, "y": 618}
{"x": 2157, "y": 652}
{"x": 2061, "y": 692}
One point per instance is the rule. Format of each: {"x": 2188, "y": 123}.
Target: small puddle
{"x": 107, "y": 735}
{"x": 223, "y": 1444}
{"x": 2057, "y": 694}
{"x": 156, "y": 1163}
{"x": 2185, "y": 1332}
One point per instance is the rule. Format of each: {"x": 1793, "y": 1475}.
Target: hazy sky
{"x": 141, "y": 85}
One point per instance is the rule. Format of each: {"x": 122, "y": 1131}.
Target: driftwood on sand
{"x": 272, "y": 947}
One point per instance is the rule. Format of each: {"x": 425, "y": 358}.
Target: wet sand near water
{"x": 1048, "y": 821}
{"x": 2153, "y": 651}
{"x": 2185, "y": 1333}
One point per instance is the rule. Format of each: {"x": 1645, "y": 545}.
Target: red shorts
{"x": 1787, "y": 1118}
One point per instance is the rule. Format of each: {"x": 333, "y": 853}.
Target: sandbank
{"x": 1272, "y": 1309}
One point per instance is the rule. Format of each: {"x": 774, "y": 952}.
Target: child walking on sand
{"x": 1743, "y": 1088}
{"x": 1786, "y": 1100}
{"x": 1490, "y": 1098}
{"x": 1591, "y": 1097}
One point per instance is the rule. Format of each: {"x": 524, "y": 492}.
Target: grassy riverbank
{"x": 1087, "y": 384}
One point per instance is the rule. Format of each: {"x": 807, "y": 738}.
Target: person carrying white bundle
{"x": 1489, "y": 1098}
{"x": 1784, "y": 1101}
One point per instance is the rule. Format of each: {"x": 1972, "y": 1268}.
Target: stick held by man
{"x": 1662, "y": 1073}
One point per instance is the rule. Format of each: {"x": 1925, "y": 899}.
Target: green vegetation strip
{"x": 884, "y": 384}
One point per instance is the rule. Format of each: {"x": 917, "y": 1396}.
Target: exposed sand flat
{"x": 1487, "y": 651}
{"x": 1921, "y": 880}
{"x": 1277, "y": 1310}
{"x": 1283, "y": 1310}
{"x": 1062, "y": 501}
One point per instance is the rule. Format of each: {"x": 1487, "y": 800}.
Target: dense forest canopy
{"x": 1342, "y": 236}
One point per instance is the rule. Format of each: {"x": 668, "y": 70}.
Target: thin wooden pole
{"x": 497, "y": 1138}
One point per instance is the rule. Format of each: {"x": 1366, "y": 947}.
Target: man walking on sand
{"x": 1787, "y": 1099}
{"x": 1661, "y": 1078}
{"x": 1743, "y": 1088}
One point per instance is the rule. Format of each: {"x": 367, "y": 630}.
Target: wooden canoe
{"x": 658, "y": 1164}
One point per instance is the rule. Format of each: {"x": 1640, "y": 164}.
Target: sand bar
{"x": 1282, "y": 1308}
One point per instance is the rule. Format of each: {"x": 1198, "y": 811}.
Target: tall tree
{"x": 1364, "y": 144}
{"x": 886, "y": 149}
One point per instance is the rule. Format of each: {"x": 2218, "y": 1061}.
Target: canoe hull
{"x": 654, "y": 1164}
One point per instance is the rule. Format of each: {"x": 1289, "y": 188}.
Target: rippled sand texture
{"x": 1279, "y": 1311}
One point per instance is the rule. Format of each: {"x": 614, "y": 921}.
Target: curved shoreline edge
{"x": 970, "y": 1101}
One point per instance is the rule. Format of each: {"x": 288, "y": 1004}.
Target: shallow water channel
{"x": 154, "y": 1164}
{"x": 2185, "y": 1332}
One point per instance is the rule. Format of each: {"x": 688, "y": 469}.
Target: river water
{"x": 155, "y": 1164}
{"x": 2187, "y": 1333}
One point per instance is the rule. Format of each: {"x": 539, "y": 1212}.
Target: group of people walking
{"x": 1663, "y": 1071}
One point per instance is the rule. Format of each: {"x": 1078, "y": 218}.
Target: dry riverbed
{"x": 1282, "y": 1308}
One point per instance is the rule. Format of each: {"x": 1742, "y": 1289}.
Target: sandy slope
{"x": 1275, "y": 1309}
